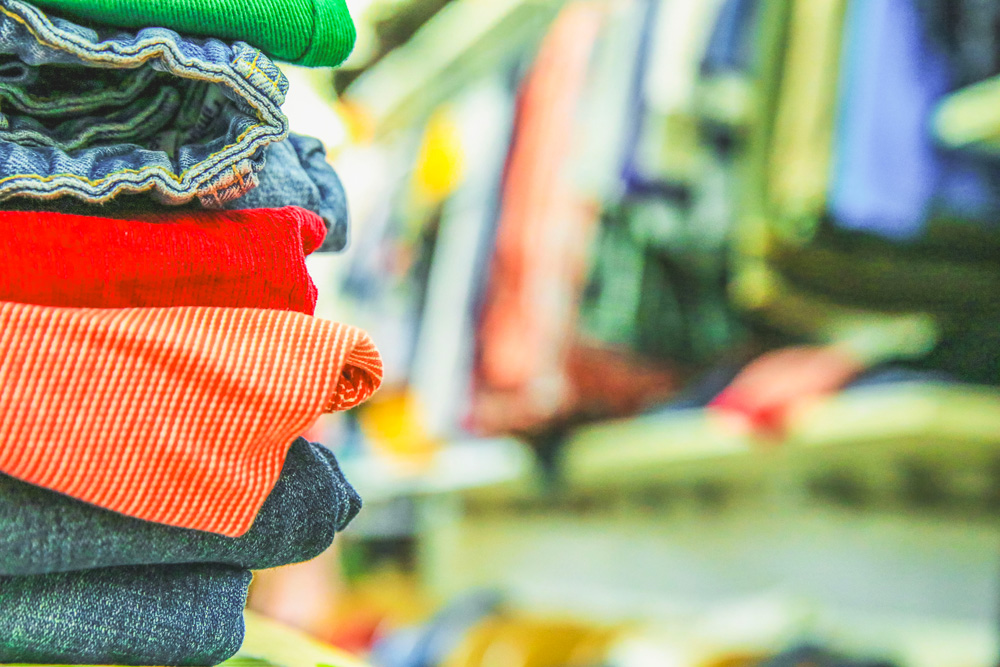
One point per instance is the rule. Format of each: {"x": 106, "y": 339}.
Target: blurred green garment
{"x": 315, "y": 33}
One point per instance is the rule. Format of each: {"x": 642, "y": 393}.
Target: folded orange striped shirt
{"x": 181, "y": 416}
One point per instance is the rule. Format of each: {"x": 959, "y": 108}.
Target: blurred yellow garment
{"x": 440, "y": 162}
{"x": 804, "y": 121}
{"x": 394, "y": 426}
{"x": 527, "y": 642}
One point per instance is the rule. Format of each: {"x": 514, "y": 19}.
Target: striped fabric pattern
{"x": 180, "y": 416}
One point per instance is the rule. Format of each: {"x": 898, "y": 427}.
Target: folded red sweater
{"x": 253, "y": 259}
{"x": 181, "y": 416}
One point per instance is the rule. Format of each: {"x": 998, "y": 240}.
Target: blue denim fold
{"x": 160, "y": 615}
{"x": 296, "y": 173}
{"x": 43, "y": 532}
{"x": 94, "y": 115}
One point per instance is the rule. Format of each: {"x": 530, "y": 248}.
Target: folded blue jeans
{"x": 43, "y": 532}
{"x": 296, "y": 173}
{"x": 93, "y": 114}
{"x": 159, "y": 615}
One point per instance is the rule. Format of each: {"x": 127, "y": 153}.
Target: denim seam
{"x": 20, "y": 98}
{"x": 254, "y": 67}
{"x": 208, "y": 168}
{"x": 147, "y": 170}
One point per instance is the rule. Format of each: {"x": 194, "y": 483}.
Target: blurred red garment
{"x": 252, "y": 258}
{"x": 769, "y": 389}
{"x": 543, "y": 236}
{"x": 531, "y": 370}
{"x": 181, "y": 416}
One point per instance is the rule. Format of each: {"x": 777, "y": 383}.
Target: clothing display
{"x": 44, "y": 532}
{"x": 251, "y": 259}
{"x": 181, "y": 416}
{"x": 160, "y": 112}
{"x": 160, "y": 361}
{"x": 158, "y": 615}
{"x": 317, "y": 33}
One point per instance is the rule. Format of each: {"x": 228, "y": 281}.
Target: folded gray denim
{"x": 42, "y": 531}
{"x": 96, "y": 114}
{"x": 153, "y": 615}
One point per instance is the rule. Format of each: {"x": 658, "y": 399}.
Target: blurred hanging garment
{"x": 251, "y": 259}
{"x": 181, "y": 416}
{"x": 316, "y": 33}
{"x": 444, "y": 349}
{"x": 730, "y": 47}
{"x": 169, "y": 615}
{"x": 43, "y": 532}
{"x": 94, "y": 115}
{"x": 889, "y": 176}
{"x": 542, "y": 237}
{"x": 657, "y": 285}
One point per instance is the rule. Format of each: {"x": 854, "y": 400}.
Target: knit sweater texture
{"x": 181, "y": 416}
{"x": 251, "y": 259}
{"x": 315, "y": 33}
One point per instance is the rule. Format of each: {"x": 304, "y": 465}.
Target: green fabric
{"x": 316, "y": 33}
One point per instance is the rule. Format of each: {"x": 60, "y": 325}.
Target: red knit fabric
{"x": 252, "y": 258}
{"x": 181, "y": 416}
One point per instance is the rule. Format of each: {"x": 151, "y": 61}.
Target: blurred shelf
{"x": 269, "y": 643}
{"x": 461, "y": 466}
{"x": 970, "y": 116}
{"x": 936, "y": 422}
{"x": 881, "y": 432}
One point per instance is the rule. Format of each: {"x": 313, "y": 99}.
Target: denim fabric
{"x": 153, "y": 111}
{"x": 296, "y": 173}
{"x": 42, "y": 531}
{"x": 169, "y": 615}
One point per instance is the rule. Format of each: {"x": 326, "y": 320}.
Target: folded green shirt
{"x": 316, "y": 33}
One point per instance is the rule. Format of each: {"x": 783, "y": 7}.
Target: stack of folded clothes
{"x": 158, "y": 354}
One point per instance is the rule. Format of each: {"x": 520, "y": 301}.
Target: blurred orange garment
{"x": 543, "y": 233}
{"x": 181, "y": 416}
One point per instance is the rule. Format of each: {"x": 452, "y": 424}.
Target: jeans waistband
{"x": 176, "y": 116}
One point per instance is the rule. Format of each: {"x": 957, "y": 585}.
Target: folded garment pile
{"x": 159, "y": 357}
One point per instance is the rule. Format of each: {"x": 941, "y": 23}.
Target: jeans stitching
{"x": 70, "y": 43}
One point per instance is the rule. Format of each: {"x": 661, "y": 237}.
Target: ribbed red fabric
{"x": 252, "y": 259}
{"x": 181, "y": 416}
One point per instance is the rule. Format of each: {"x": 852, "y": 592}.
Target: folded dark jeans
{"x": 42, "y": 531}
{"x": 152, "y": 615}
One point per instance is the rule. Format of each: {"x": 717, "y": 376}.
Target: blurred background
{"x": 690, "y": 312}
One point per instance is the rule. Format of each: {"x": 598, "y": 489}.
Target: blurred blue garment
{"x": 731, "y": 44}
{"x": 431, "y": 644}
{"x": 888, "y": 175}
